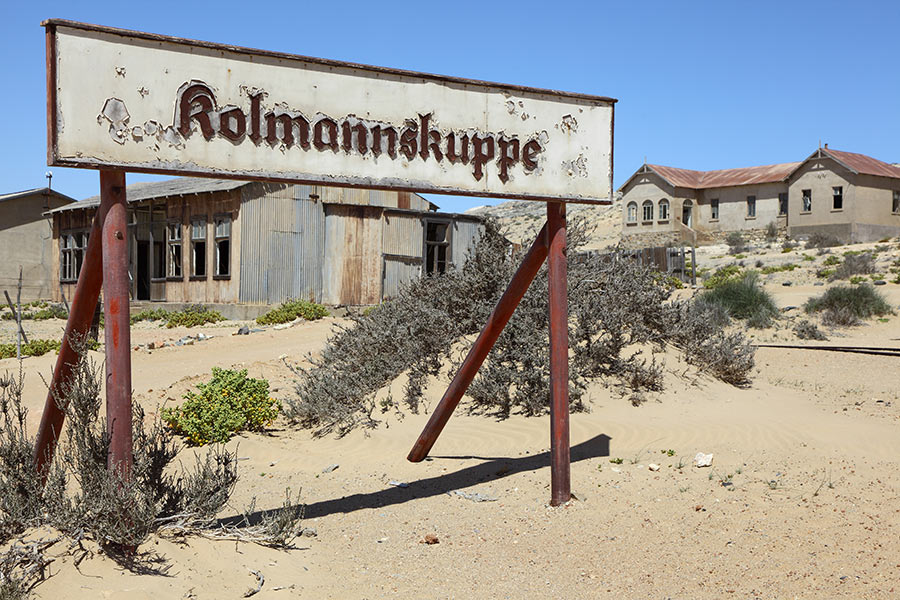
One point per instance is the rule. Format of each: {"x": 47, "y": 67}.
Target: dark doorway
{"x": 143, "y": 270}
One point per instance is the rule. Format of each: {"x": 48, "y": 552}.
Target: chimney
{"x": 826, "y": 145}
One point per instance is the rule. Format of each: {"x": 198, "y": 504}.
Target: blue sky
{"x": 701, "y": 85}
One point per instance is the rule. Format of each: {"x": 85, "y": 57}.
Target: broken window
{"x": 158, "y": 231}
{"x": 895, "y": 205}
{"x": 714, "y": 209}
{"x": 807, "y": 200}
{"x": 437, "y": 246}
{"x": 223, "y": 246}
{"x": 751, "y": 207}
{"x": 782, "y": 204}
{"x": 198, "y": 248}
{"x": 72, "y": 247}
{"x": 632, "y": 212}
{"x": 838, "y": 195}
{"x": 648, "y": 210}
{"x": 663, "y": 210}
{"x": 174, "y": 242}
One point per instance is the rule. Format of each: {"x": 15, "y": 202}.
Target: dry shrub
{"x": 855, "y": 264}
{"x": 822, "y": 240}
{"x": 82, "y": 498}
{"x": 613, "y": 302}
{"x": 806, "y": 330}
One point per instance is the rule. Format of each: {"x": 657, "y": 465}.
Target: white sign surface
{"x": 143, "y": 102}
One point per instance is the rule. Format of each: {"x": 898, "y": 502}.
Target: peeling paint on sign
{"x": 224, "y": 111}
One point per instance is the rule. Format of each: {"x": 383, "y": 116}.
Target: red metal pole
{"x": 482, "y": 346}
{"x": 560, "y": 486}
{"x": 117, "y": 321}
{"x": 87, "y": 292}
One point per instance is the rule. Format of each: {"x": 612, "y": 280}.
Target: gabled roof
{"x": 699, "y": 180}
{"x": 860, "y": 163}
{"x": 180, "y": 186}
{"x": 43, "y": 190}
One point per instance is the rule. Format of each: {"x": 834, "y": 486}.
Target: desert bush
{"x": 193, "y": 316}
{"x": 855, "y": 264}
{"x": 228, "y": 403}
{"x": 824, "y": 273}
{"x": 842, "y": 302}
{"x": 32, "y": 348}
{"x": 805, "y": 330}
{"x": 772, "y": 231}
{"x": 787, "y": 246}
{"x": 778, "y": 268}
{"x": 724, "y": 274}
{"x": 150, "y": 314}
{"x": 744, "y": 299}
{"x": 614, "y": 302}
{"x": 736, "y": 243}
{"x": 822, "y": 240}
{"x": 831, "y": 261}
{"x": 840, "y": 317}
{"x": 290, "y": 310}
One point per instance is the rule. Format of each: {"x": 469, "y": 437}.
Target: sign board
{"x": 119, "y": 99}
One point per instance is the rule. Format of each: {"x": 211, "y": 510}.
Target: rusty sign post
{"x": 123, "y": 101}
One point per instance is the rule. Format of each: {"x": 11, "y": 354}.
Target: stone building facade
{"x": 851, "y": 196}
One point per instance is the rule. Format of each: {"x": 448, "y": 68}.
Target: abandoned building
{"x": 853, "y": 197}
{"x": 27, "y": 242}
{"x": 217, "y": 241}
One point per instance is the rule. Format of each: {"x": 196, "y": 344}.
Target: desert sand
{"x": 802, "y": 500}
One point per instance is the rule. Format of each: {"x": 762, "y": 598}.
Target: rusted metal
{"x": 860, "y": 163}
{"x": 523, "y": 277}
{"x": 49, "y": 36}
{"x": 117, "y": 320}
{"x": 560, "y": 487}
{"x": 874, "y": 350}
{"x": 84, "y": 301}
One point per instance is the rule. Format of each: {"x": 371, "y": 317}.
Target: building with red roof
{"x": 851, "y": 196}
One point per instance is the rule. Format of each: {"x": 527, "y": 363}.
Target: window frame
{"x": 70, "y": 269}
{"x": 751, "y": 207}
{"x": 663, "y": 210}
{"x": 837, "y": 192}
{"x": 713, "y": 209}
{"x": 806, "y": 202}
{"x": 783, "y": 202}
{"x": 170, "y": 244}
{"x": 222, "y": 217}
{"x": 204, "y": 222}
{"x": 647, "y": 204}
{"x": 631, "y": 217}
{"x": 446, "y": 243}
{"x": 895, "y": 203}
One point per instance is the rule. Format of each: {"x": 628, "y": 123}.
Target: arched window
{"x": 648, "y": 210}
{"x": 632, "y": 212}
{"x": 663, "y": 210}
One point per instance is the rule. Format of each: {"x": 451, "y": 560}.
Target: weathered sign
{"x": 143, "y": 102}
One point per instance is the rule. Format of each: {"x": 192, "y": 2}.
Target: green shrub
{"x": 861, "y": 301}
{"x": 228, "y": 403}
{"x": 831, "y": 261}
{"x": 290, "y": 310}
{"x": 53, "y": 311}
{"x": 723, "y": 275}
{"x": 193, "y": 316}
{"x": 744, "y": 298}
{"x": 809, "y": 258}
{"x": 824, "y": 273}
{"x": 150, "y": 314}
{"x": 857, "y": 279}
{"x": 32, "y": 348}
{"x": 778, "y": 268}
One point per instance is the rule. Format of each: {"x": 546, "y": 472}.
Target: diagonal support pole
{"x": 87, "y": 293}
{"x": 560, "y": 485}
{"x": 482, "y": 346}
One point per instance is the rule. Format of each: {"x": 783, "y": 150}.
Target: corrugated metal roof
{"x": 863, "y": 164}
{"x": 725, "y": 177}
{"x": 42, "y": 190}
{"x": 179, "y": 186}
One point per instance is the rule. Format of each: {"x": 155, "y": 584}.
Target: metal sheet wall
{"x": 352, "y": 268}
{"x": 281, "y": 244}
{"x": 384, "y": 198}
{"x": 402, "y": 234}
{"x": 465, "y": 236}
{"x": 399, "y": 271}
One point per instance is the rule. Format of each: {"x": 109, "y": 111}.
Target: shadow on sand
{"x": 492, "y": 469}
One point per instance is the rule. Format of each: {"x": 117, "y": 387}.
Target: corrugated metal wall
{"x": 402, "y": 234}
{"x": 465, "y": 236}
{"x": 398, "y": 271}
{"x": 352, "y": 268}
{"x": 384, "y": 198}
{"x": 281, "y": 244}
